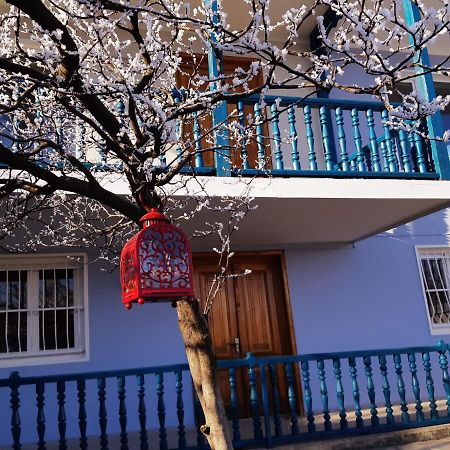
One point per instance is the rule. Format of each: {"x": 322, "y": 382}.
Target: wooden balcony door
{"x": 187, "y": 69}
{"x": 250, "y": 314}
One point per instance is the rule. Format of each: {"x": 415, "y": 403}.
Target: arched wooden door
{"x": 249, "y": 314}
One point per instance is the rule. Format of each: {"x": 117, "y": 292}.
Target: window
{"x": 42, "y": 309}
{"x": 434, "y": 268}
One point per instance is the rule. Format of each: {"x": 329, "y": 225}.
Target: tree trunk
{"x": 202, "y": 363}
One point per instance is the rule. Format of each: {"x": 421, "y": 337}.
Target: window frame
{"x": 33, "y": 263}
{"x": 435, "y": 329}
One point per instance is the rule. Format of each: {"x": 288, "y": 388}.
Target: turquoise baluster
{"x": 198, "y": 160}
{"x": 443, "y": 364}
{"x": 308, "y": 396}
{"x": 361, "y": 166}
{"x": 291, "y": 397}
{"x": 180, "y": 410}
{"x": 375, "y": 158}
{"x": 386, "y": 390}
{"x": 403, "y": 142}
{"x": 61, "y": 397}
{"x": 276, "y": 400}
{"x": 384, "y": 156}
{"x": 122, "y": 413}
{"x": 371, "y": 391}
{"x": 142, "y": 412}
{"x": 310, "y": 137}
{"x": 401, "y": 388}
{"x": 16, "y": 429}
{"x": 294, "y": 138}
{"x": 430, "y": 385}
{"x": 340, "y": 393}
{"x": 327, "y": 145}
{"x": 244, "y": 140}
{"x": 234, "y": 405}
{"x": 254, "y": 401}
{"x": 391, "y": 155}
{"x": 353, "y": 166}
{"x": 420, "y": 152}
{"x": 82, "y": 416}
{"x": 260, "y": 137}
{"x": 275, "y": 119}
{"x": 324, "y": 395}
{"x": 40, "y": 400}
{"x": 102, "y": 415}
{"x": 355, "y": 391}
{"x": 178, "y": 132}
{"x": 341, "y": 138}
{"x": 415, "y": 386}
{"x": 161, "y": 411}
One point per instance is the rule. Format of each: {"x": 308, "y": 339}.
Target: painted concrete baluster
{"x": 443, "y": 363}
{"x": 122, "y": 413}
{"x": 198, "y": 159}
{"x": 327, "y": 146}
{"x": 82, "y": 416}
{"x": 244, "y": 140}
{"x": 142, "y": 412}
{"x": 308, "y": 397}
{"x": 401, "y": 388}
{"x": 384, "y": 156}
{"x": 61, "y": 397}
{"x": 103, "y": 421}
{"x": 391, "y": 155}
{"x": 294, "y": 138}
{"x": 360, "y": 159}
{"x": 341, "y": 138}
{"x": 403, "y": 141}
{"x": 254, "y": 400}
{"x": 289, "y": 370}
{"x": 260, "y": 137}
{"x": 234, "y": 405}
{"x": 355, "y": 392}
{"x": 40, "y": 420}
{"x": 415, "y": 386}
{"x": 310, "y": 137}
{"x": 275, "y": 119}
{"x": 180, "y": 409}
{"x": 386, "y": 390}
{"x": 420, "y": 152}
{"x": 374, "y": 156}
{"x": 340, "y": 393}
{"x": 324, "y": 394}
{"x": 430, "y": 385}
{"x": 375, "y": 421}
{"x": 276, "y": 399}
{"x": 16, "y": 429}
{"x": 161, "y": 411}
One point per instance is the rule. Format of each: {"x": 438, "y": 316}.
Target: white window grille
{"x": 434, "y": 268}
{"x": 43, "y": 309}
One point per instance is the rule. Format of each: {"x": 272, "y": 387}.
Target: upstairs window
{"x": 434, "y": 268}
{"x": 42, "y": 309}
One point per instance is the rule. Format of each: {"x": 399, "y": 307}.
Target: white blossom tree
{"x": 88, "y": 96}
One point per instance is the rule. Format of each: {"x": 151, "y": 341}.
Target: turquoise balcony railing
{"x": 270, "y": 401}
{"x": 321, "y": 137}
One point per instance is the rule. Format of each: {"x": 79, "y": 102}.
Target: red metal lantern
{"x": 156, "y": 264}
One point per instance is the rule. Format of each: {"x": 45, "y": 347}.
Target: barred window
{"x": 42, "y": 309}
{"x": 434, "y": 266}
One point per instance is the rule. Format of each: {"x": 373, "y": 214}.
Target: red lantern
{"x": 156, "y": 264}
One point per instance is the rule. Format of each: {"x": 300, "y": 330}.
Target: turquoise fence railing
{"x": 270, "y": 401}
{"x": 289, "y": 136}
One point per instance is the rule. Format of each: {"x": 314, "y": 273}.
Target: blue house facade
{"x": 339, "y": 325}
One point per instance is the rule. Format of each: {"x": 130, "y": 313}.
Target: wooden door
{"x": 249, "y": 308}
{"x": 187, "y": 69}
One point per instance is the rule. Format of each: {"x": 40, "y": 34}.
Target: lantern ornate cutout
{"x": 156, "y": 263}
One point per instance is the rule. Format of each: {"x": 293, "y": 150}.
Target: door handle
{"x": 236, "y": 344}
